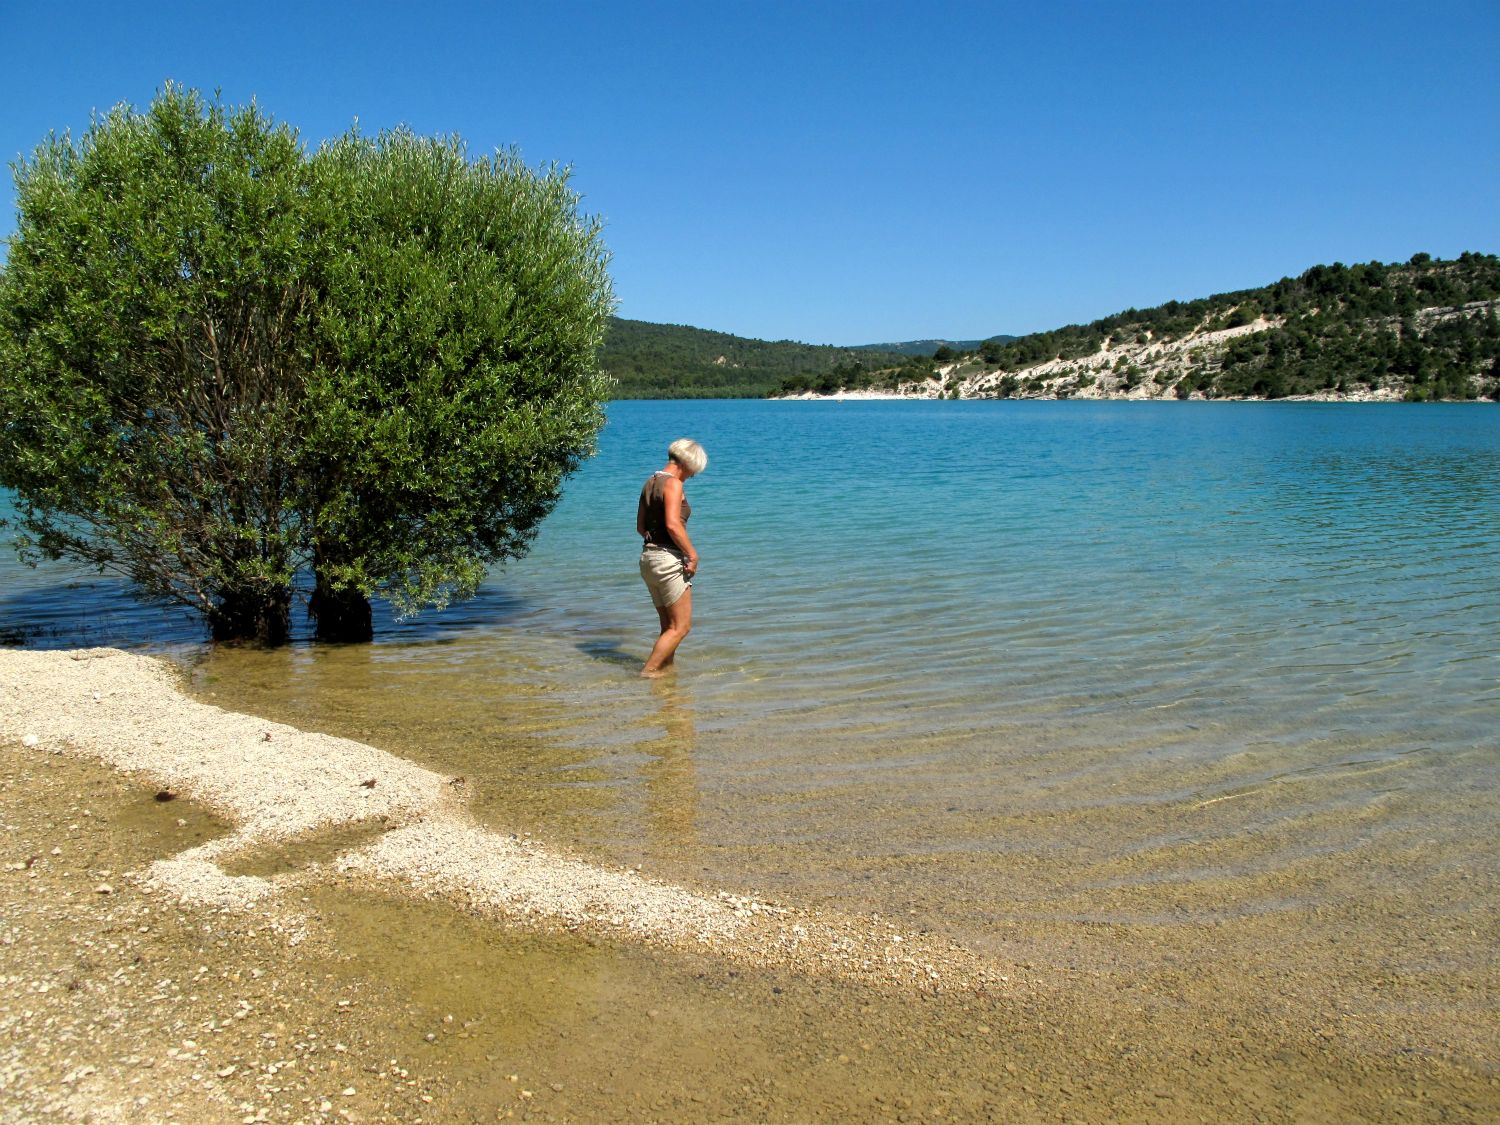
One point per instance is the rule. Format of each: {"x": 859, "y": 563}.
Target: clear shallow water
{"x": 982, "y": 662}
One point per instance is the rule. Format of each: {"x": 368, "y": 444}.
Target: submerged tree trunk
{"x": 341, "y": 616}
{"x": 257, "y": 617}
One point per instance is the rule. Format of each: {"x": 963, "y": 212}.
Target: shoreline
{"x": 1139, "y": 366}
{"x": 327, "y": 949}
{"x": 937, "y": 395}
{"x": 393, "y": 821}
{"x": 286, "y": 829}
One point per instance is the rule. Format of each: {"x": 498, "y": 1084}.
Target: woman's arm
{"x": 671, "y": 494}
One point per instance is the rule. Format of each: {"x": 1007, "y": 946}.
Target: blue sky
{"x": 862, "y": 172}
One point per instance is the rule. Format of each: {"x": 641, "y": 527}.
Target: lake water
{"x": 1003, "y": 668}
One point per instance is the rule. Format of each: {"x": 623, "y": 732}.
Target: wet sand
{"x": 305, "y": 934}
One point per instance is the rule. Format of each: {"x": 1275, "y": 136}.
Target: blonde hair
{"x": 689, "y": 454}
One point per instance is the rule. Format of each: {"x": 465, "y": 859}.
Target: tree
{"x": 149, "y": 313}
{"x": 456, "y": 382}
{"x": 226, "y": 360}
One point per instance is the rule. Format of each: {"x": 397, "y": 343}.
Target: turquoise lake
{"x": 980, "y": 663}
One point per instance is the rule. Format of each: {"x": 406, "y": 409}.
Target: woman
{"x": 668, "y": 561}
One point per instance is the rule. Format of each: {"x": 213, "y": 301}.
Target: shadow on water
{"x": 47, "y": 608}
{"x": 609, "y": 652}
{"x": 92, "y": 612}
{"x": 492, "y": 605}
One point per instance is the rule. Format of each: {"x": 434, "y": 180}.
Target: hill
{"x": 675, "y": 361}
{"x": 1419, "y": 330}
{"x": 928, "y": 347}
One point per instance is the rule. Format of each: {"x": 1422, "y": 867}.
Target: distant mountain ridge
{"x": 928, "y": 347}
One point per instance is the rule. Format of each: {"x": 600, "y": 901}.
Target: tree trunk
{"x": 341, "y": 616}
{"x": 256, "y": 617}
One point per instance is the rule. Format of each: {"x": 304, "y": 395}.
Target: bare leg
{"x": 664, "y": 615}
{"x": 676, "y": 621}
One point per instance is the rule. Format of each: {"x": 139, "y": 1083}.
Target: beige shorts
{"x": 665, "y": 574}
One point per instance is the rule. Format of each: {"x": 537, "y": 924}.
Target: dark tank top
{"x": 652, "y": 512}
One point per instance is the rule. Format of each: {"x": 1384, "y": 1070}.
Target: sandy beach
{"x": 209, "y": 916}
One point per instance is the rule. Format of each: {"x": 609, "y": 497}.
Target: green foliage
{"x": 148, "y": 314}
{"x": 225, "y": 360}
{"x": 925, "y": 348}
{"x": 992, "y": 349}
{"x": 456, "y": 384}
{"x": 1362, "y": 325}
{"x": 673, "y": 361}
{"x": 1342, "y": 325}
{"x": 853, "y": 375}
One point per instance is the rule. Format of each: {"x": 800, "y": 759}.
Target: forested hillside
{"x": 674, "y": 361}
{"x": 1430, "y": 326}
{"x": 1418, "y": 330}
{"x": 1423, "y": 329}
{"x": 927, "y": 347}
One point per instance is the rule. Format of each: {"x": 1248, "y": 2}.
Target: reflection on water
{"x": 670, "y": 778}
